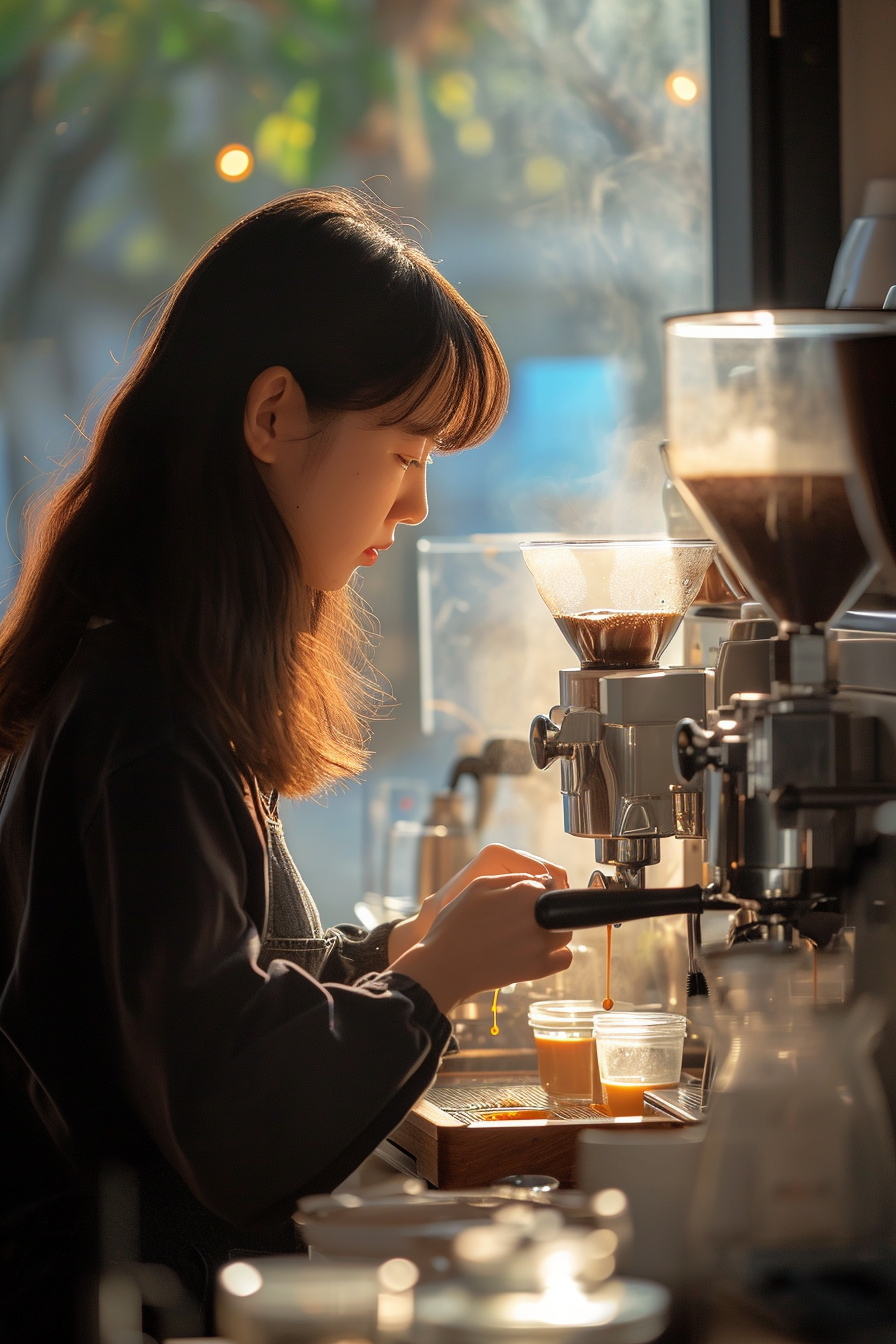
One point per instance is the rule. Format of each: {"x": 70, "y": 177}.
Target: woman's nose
{"x": 411, "y": 506}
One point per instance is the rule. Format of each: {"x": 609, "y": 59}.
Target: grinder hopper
{"x": 768, "y": 450}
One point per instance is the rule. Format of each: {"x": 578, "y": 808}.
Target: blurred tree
{"x": 515, "y": 111}
{"x": 154, "y": 87}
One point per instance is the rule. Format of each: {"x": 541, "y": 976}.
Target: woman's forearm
{"x": 406, "y": 934}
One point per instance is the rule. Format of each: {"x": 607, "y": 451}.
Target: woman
{"x": 180, "y": 648}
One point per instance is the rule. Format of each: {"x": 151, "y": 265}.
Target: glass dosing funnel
{"x": 759, "y": 442}
{"x": 618, "y": 602}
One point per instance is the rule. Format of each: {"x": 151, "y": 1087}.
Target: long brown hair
{"x": 167, "y": 524}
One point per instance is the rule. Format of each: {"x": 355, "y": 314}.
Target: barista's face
{"x": 340, "y": 490}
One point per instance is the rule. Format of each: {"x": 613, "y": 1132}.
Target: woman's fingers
{"x": 560, "y": 960}
{"x": 559, "y": 875}
{"x": 507, "y": 860}
{"x": 505, "y": 881}
{"x": 502, "y": 863}
{"x": 558, "y": 938}
{"x": 488, "y": 936}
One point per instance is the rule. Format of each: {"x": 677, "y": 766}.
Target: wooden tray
{"x": 454, "y": 1148}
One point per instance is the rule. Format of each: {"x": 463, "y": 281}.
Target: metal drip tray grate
{"x": 467, "y": 1104}
{"x": 451, "y": 1138}
{"x": 474, "y": 1097}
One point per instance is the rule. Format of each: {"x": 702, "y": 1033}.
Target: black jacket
{"x": 135, "y": 888}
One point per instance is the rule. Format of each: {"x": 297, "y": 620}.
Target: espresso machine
{"x": 779, "y": 428}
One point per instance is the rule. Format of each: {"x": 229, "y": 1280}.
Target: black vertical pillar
{"x": 775, "y": 127}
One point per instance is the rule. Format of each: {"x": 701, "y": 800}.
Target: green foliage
{"x": 146, "y": 123}
{"x": 542, "y": 105}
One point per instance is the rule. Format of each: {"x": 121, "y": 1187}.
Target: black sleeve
{"x": 257, "y": 1088}
{"x": 356, "y": 952}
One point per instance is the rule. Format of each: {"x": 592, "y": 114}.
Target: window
{"x": 553, "y": 152}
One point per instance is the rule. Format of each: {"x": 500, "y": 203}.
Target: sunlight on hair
{"x": 234, "y": 163}
{"x": 682, "y": 88}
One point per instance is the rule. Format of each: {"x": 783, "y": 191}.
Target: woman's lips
{"x": 372, "y": 551}
{"x": 370, "y": 555}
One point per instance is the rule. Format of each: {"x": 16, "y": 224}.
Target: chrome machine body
{"x": 611, "y": 735}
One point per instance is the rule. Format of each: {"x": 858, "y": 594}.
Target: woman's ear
{"x": 276, "y": 414}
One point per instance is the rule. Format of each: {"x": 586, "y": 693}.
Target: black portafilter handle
{"x": 589, "y": 907}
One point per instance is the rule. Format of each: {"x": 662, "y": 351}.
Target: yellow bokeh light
{"x": 234, "y": 163}
{"x": 283, "y": 143}
{"x": 682, "y": 88}
{"x": 544, "y": 175}
{"x": 475, "y": 137}
{"x": 454, "y": 94}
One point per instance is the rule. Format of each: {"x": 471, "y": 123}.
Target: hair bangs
{"x": 461, "y": 397}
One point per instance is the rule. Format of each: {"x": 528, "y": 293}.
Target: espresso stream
{"x": 619, "y": 638}
{"x": 608, "y": 1002}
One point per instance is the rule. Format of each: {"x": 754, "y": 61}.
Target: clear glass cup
{"x": 564, "y": 1044}
{"x": 637, "y": 1051}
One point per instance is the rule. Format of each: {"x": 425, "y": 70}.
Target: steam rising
{"x": 627, "y": 577}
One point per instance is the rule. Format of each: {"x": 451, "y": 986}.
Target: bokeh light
{"x": 609, "y": 1203}
{"x": 544, "y": 175}
{"x": 475, "y": 137}
{"x": 398, "y": 1275}
{"x": 454, "y": 94}
{"x": 234, "y": 163}
{"x": 682, "y": 88}
{"x": 240, "y": 1279}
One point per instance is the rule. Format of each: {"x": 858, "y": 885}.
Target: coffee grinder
{"x": 618, "y": 604}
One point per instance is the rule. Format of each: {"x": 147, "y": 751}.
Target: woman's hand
{"x": 494, "y": 861}
{"x": 486, "y": 937}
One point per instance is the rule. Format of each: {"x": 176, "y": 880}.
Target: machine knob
{"x": 543, "y": 741}
{"x": 693, "y": 750}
